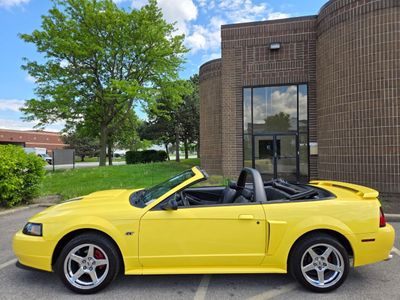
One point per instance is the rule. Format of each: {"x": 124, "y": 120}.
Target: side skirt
{"x": 205, "y": 270}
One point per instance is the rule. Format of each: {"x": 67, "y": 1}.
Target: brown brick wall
{"x": 210, "y": 117}
{"x": 31, "y": 139}
{"x": 358, "y": 91}
{"x": 349, "y": 56}
{"x": 247, "y": 61}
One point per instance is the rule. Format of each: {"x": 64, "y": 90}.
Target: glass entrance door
{"x": 264, "y": 155}
{"x": 275, "y": 131}
{"x": 286, "y": 157}
{"x": 277, "y": 156}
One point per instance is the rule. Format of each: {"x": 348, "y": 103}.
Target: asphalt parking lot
{"x": 379, "y": 281}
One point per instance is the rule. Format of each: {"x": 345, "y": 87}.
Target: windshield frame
{"x": 137, "y": 197}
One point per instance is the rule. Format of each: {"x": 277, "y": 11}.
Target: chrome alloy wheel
{"x": 86, "y": 266}
{"x": 322, "y": 265}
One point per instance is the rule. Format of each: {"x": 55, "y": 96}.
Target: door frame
{"x": 275, "y": 156}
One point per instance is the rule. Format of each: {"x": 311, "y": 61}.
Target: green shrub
{"x": 147, "y": 156}
{"x": 133, "y": 157}
{"x": 20, "y": 175}
{"x": 162, "y": 155}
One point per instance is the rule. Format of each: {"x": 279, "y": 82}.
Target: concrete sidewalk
{"x": 79, "y": 165}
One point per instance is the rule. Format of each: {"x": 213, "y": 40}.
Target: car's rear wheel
{"x": 88, "y": 263}
{"x": 320, "y": 263}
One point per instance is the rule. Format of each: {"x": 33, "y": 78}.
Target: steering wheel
{"x": 184, "y": 199}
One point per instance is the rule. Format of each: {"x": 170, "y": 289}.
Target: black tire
{"x": 334, "y": 268}
{"x": 103, "y": 247}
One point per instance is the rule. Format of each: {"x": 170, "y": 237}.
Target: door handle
{"x": 246, "y": 217}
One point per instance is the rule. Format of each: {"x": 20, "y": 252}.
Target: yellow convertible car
{"x": 315, "y": 232}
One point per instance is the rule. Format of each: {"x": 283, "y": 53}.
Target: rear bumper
{"x": 376, "y": 247}
{"x": 33, "y": 251}
{"x": 23, "y": 267}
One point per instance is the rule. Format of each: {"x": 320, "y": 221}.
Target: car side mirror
{"x": 171, "y": 204}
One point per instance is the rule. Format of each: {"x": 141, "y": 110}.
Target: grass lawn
{"x": 77, "y": 182}
{"x": 96, "y": 159}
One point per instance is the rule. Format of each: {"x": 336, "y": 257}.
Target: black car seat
{"x": 229, "y": 193}
{"x": 244, "y": 196}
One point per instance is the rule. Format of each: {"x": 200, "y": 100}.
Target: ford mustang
{"x": 314, "y": 231}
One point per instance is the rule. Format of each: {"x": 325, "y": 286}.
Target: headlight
{"x": 33, "y": 229}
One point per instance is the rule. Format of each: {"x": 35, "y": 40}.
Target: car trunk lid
{"x": 361, "y": 191}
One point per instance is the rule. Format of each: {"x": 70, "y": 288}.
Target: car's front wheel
{"x": 88, "y": 263}
{"x": 320, "y": 263}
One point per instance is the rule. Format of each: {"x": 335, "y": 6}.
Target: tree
{"x": 126, "y": 136}
{"x": 164, "y": 126}
{"x": 164, "y": 114}
{"x": 189, "y": 113}
{"x": 171, "y": 122}
{"x": 83, "y": 144}
{"x": 99, "y": 61}
{"x": 160, "y": 131}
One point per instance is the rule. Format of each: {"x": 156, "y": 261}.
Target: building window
{"x": 275, "y": 109}
{"x": 275, "y": 131}
{"x": 247, "y": 128}
{"x": 303, "y": 109}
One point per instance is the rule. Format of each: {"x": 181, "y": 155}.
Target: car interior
{"x": 249, "y": 188}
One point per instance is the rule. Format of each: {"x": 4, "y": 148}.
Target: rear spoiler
{"x": 362, "y": 191}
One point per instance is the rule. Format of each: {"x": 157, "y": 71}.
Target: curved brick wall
{"x": 358, "y": 92}
{"x": 210, "y": 117}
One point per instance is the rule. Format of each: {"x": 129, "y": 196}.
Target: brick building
{"x": 32, "y": 139}
{"x": 308, "y": 97}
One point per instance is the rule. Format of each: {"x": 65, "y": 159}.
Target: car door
{"x": 203, "y": 236}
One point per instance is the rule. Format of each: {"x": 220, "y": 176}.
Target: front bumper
{"x": 376, "y": 247}
{"x": 33, "y": 251}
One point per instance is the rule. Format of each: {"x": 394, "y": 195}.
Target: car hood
{"x": 112, "y": 204}
{"x": 107, "y": 196}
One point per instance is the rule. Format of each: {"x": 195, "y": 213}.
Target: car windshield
{"x": 158, "y": 190}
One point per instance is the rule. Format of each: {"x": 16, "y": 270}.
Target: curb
{"x": 392, "y": 217}
{"x": 15, "y": 210}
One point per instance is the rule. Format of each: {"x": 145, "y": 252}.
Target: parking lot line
{"x": 274, "y": 292}
{"x": 395, "y": 250}
{"x": 203, "y": 287}
{"x": 6, "y": 264}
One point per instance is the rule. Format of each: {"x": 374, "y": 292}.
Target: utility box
{"x": 63, "y": 157}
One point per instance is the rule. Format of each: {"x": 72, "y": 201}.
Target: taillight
{"x": 382, "y": 221}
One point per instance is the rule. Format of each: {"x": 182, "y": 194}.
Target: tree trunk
{"x": 167, "y": 151}
{"x": 178, "y": 159}
{"x": 82, "y": 158}
{"x": 110, "y": 154}
{"x": 103, "y": 146}
{"x": 198, "y": 149}
{"x": 186, "y": 149}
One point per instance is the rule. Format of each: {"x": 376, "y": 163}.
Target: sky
{"x": 199, "y": 20}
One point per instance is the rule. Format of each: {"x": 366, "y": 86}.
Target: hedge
{"x": 136, "y": 157}
{"x": 20, "y": 175}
